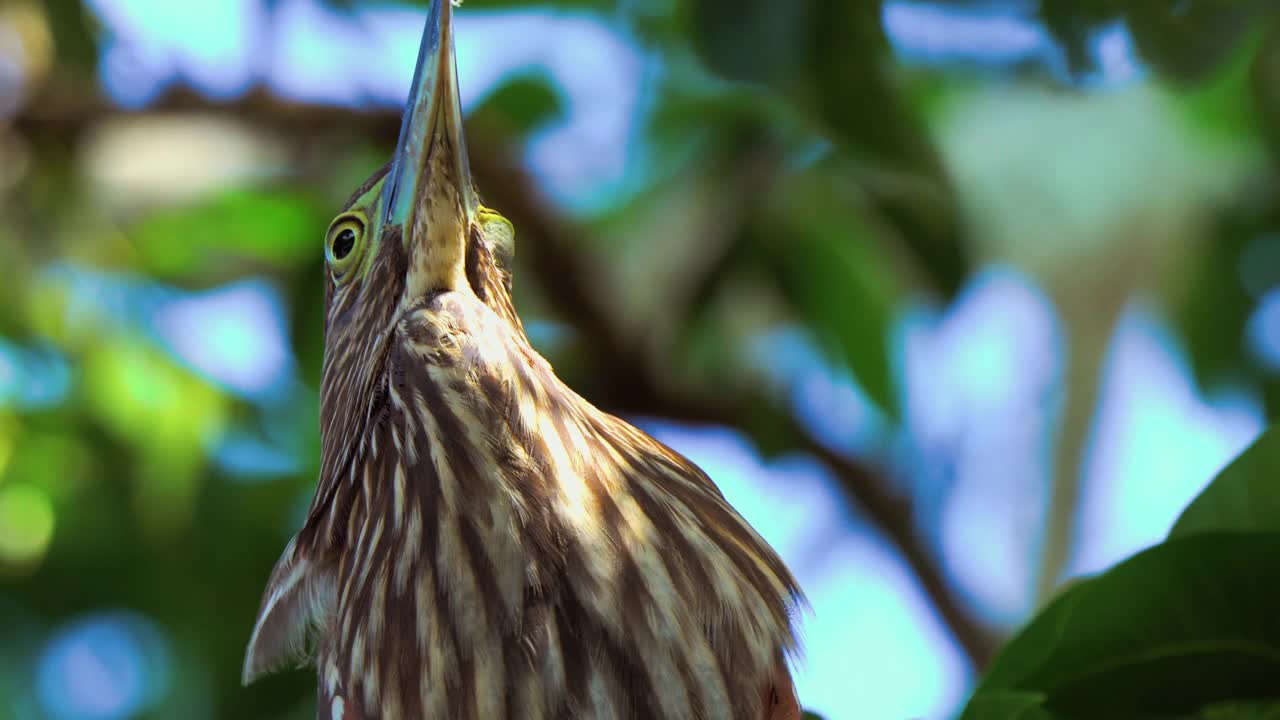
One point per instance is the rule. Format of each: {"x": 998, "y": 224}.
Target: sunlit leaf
{"x": 26, "y": 524}
{"x": 275, "y": 229}
{"x": 167, "y": 415}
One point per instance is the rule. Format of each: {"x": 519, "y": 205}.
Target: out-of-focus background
{"x": 956, "y": 300}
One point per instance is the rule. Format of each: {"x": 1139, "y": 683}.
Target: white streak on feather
{"x": 331, "y": 676}
{"x": 552, "y": 676}
{"x": 439, "y": 460}
{"x": 465, "y": 602}
{"x": 398, "y": 495}
{"x": 574, "y": 503}
{"x": 601, "y": 691}
{"x": 490, "y": 689}
{"x": 437, "y": 656}
{"x": 500, "y": 539}
{"x": 357, "y": 668}
{"x": 409, "y": 552}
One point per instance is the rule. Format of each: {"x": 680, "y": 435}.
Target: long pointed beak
{"x": 431, "y": 197}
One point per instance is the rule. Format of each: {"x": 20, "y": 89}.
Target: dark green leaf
{"x": 1213, "y": 309}
{"x": 74, "y": 43}
{"x": 1189, "y": 40}
{"x": 1184, "y": 40}
{"x": 1181, "y": 625}
{"x": 1237, "y": 710}
{"x": 827, "y": 265}
{"x": 1005, "y": 705}
{"x": 520, "y": 106}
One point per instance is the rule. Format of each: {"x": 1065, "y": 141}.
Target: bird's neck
{"x": 503, "y": 535}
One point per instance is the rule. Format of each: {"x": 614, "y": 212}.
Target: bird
{"x": 484, "y": 543}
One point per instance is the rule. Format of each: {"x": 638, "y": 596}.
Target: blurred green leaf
{"x": 1265, "y": 80}
{"x": 1222, "y": 103}
{"x": 520, "y": 106}
{"x": 755, "y": 41}
{"x": 275, "y": 229}
{"x": 1213, "y": 309}
{"x": 826, "y": 264}
{"x": 830, "y": 60}
{"x": 73, "y": 40}
{"x": 1188, "y": 39}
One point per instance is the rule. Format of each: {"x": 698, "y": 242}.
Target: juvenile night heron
{"x": 483, "y": 543}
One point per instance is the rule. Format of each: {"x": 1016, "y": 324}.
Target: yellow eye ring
{"x": 344, "y": 244}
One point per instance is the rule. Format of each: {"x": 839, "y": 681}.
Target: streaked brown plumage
{"x": 484, "y": 543}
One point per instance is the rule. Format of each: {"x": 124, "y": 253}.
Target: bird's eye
{"x": 344, "y": 244}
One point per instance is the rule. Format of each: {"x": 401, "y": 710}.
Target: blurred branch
{"x": 68, "y": 109}
{"x": 751, "y": 175}
{"x": 1083, "y": 381}
{"x": 627, "y": 380}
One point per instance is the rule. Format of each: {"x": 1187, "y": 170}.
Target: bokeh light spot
{"x": 151, "y": 43}
{"x": 107, "y": 666}
{"x": 233, "y": 335}
{"x": 245, "y": 456}
{"x": 1264, "y": 330}
{"x": 26, "y": 523}
{"x": 31, "y": 378}
{"x": 938, "y": 33}
{"x": 1115, "y": 56}
{"x": 874, "y": 647}
{"x": 828, "y": 400}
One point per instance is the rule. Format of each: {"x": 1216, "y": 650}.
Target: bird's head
{"x": 416, "y": 227}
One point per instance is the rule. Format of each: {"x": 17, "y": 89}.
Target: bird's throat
{"x": 437, "y": 239}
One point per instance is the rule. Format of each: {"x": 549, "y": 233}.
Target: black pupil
{"x": 343, "y": 243}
